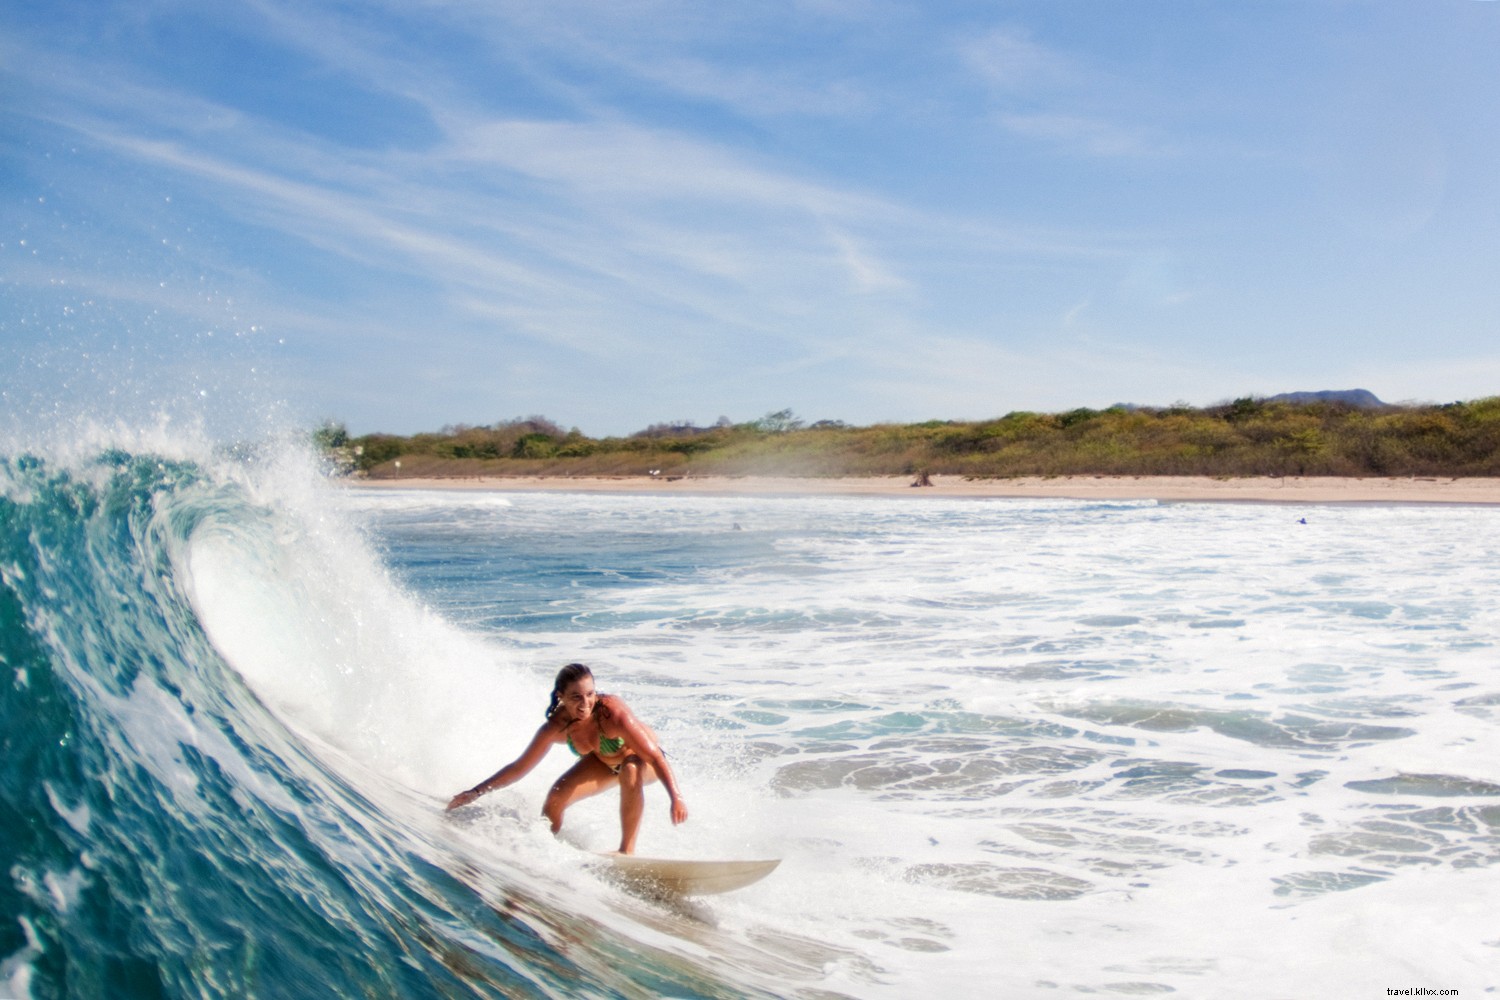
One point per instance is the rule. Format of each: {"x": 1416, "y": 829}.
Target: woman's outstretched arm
{"x": 515, "y": 770}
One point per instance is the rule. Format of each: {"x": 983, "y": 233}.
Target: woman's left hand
{"x": 679, "y": 812}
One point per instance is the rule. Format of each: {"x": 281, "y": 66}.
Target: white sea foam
{"x": 17, "y": 970}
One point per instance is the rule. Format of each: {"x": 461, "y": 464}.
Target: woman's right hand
{"x": 463, "y": 799}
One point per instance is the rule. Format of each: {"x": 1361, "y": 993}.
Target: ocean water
{"x": 1006, "y": 748}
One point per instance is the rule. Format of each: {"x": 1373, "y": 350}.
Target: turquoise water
{"x": 1015, "y": 748}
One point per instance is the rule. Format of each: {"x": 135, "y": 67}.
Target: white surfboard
{"x": 686, "y": 877}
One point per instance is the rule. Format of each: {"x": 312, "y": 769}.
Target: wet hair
{"x": 570, "y": 674}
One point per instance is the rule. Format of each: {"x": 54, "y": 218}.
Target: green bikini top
{"x": 608, "y": 745}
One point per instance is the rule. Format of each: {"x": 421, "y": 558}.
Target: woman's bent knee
{"x": 632, "y": 773}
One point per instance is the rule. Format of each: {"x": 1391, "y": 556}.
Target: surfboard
{"x": 686, "y": 877}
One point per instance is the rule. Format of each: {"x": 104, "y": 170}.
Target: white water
{"x": 1006, "y": 748}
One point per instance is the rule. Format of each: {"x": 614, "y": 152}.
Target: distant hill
{"x": 1362, "y": 398}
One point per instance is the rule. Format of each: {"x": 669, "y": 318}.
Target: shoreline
{"x": 1184, "y": 489}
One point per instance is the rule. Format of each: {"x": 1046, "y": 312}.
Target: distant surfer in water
{"x": 613, "y": 746}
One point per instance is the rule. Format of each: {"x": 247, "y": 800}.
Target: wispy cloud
{"x": 1091, "y": 136}
{"x": 1046, "y": 95}
{"x": 1009, "y": 60}
{"x": 609, "y": 160}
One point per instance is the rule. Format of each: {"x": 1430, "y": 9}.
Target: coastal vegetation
{"x": 1250, "y": 436}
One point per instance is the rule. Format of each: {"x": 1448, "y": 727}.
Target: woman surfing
{"x": 613, "y": 747}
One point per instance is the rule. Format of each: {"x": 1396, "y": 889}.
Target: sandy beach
{"x": 1292, "y": 490}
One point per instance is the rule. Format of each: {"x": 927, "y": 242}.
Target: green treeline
{"x": 1247, "y": 437}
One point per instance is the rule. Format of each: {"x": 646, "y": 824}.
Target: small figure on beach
{"x": 614, "y": 749}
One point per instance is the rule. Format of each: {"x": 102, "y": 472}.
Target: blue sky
{"x": 409, "y": 214}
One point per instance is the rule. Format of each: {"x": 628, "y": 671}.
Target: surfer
{"x": 613, "y": 747}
